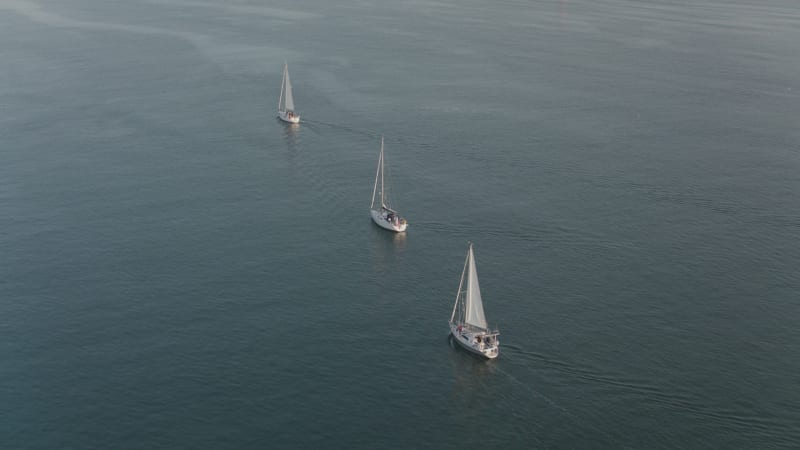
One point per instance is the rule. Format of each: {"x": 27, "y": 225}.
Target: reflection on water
{"x": 388, "y": 247}
{"x": 392, "y": 242}
{"x": 466, "y": 357}
{"x": 291, "y": 136}
{"x": 472, "y": 375}
{"x": 291, "y": 132}
{"x": 398, "y": 240}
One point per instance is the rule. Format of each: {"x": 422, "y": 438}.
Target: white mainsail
{"x": 474, "y": 305}
{"x": 289, "y": 101}
{"x": 378, "y": 176}
{"x": 286, "y": 100}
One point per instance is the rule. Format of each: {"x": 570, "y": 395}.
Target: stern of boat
{"x": 379, "y": 218}
{"x": 285, "y": 117}
{"x": 468, "y": 342}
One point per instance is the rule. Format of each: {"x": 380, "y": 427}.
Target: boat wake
{"x": 319, "y": 125}
{"x": 369, "y": 134}
{"x": 683, "y": 402}
{"x": 309, "y": 172}
{"x": 549, "y": 235}
{"x": 546, "y": 399}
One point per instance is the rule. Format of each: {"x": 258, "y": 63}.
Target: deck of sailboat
{"x": 471, "y": 330}
{"x": 466, "y": 340}
{"x": 476, "y": 331}
{"x": 284, "y": 116}
{"x": 377, "y": 217}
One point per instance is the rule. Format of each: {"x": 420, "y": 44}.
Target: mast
{"x": 375, "y": 187}
{"x": 382, "y": 204}
{"x": 469, "y": 266}
{"x": 460, "y": 284}
{"x": 283, "y": 83}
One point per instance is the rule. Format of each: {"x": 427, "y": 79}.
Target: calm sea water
{"x": 179, "y": 269}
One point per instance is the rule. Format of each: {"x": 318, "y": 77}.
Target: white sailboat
{"x": 468, "y": 323}
{"x": 286, "y": 100}
{"x": 381, "y": 213}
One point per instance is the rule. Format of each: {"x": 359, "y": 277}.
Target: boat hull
{"x": 382, "y": 222}
{"x": 285, "y": 117}
{"x": 465, "y": 341}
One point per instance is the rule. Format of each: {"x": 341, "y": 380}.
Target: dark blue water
{"x": 180, "y": 269}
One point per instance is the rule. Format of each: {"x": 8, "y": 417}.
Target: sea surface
{"x": 178, "y": 269}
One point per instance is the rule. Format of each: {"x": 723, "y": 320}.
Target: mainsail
{"x": 378, "y": 176}
{"x": 289, "y": 103}
{"x": 474, "y": 304}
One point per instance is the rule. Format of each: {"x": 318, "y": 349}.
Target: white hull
{"x": 285, "y": 117}
{"x": 380, "y": 219}
{"x": 468, "y": 341}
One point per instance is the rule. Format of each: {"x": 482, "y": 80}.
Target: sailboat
{"x": 468, "y": 323}
{"x": 286, "y": 101}
{"x": 381, "y": 213}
